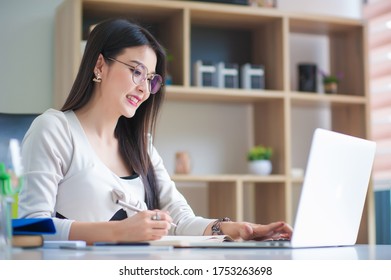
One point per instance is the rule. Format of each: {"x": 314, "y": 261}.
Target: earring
{"x": 97, "y": 78}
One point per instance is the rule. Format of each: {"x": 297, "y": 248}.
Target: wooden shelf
{"x": 325, "y": 25}
{"x": 218, "y": 95}
{"x": 239, "y": 95}
{"x": 314, "y": 98}
{"x": 245, "y": 178}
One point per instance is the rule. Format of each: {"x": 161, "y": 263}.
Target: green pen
{"x": 5, "y": 181}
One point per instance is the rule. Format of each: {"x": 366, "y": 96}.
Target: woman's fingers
{"x": 158, "y": 215}
{"x": 279, "y": 230}
{"x": 275, "y": 230}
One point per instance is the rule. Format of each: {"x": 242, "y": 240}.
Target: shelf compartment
{"x": 146, "y": 15}
{"x": 239, "y": 38}
{"x": 226, "y": 195}
{"x": 269, "y": 117}
{"x": 350, "y": 119}
{"x": 166, "y": 23}
{"x": 270, "y": 203}
{"x": 346, "y": 44}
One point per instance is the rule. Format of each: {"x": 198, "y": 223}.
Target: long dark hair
{"x": 110, "y": 38}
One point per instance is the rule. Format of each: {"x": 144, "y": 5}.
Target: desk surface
{"x": 357, "y": 252}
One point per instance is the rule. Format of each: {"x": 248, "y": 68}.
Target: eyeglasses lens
{"x": 140, "y": 74}
{"x": 155, "y": 83}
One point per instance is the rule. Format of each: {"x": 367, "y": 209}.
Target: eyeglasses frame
{"x": 132, "y": 68}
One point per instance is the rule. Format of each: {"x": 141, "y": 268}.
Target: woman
{"x": 99, "y": 143}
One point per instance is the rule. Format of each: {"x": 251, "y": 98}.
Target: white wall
{"x": 26, "y": 55}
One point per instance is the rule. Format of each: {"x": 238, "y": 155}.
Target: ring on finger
{"x": 156, "y": 217}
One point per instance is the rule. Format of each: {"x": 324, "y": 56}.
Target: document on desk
{"x": 189, "y": 240}
{"x": 206, "y": 241}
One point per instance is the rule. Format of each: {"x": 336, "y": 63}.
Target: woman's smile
{"x": 133, "y": 100}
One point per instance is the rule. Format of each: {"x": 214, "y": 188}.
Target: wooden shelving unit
{"x": 264, "y": 35}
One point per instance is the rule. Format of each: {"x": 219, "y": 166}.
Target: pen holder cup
{"x": 5, "y": 226}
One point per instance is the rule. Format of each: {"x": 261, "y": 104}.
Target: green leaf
{"x": 260, "y": 152}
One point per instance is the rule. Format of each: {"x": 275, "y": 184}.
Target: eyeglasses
{"x": 140, "y": 75}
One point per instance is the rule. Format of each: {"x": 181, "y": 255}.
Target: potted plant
{"x": 330, "y": 82}
{"x": 259, "y": 160}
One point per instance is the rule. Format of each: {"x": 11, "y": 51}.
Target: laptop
{"x": 333, "y": 193}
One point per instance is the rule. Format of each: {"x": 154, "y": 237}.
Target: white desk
{"x": 358, "y": 252}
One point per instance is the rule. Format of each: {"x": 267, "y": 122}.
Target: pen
{"x": 131, "y": 207}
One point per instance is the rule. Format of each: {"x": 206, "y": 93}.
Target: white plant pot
{"x": 260, "y": 167}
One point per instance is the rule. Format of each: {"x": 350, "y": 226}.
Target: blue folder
{"x": 33, "y": 226}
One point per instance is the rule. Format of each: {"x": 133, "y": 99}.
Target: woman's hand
{"x": 143, "y": 226}
{"x": 250, "y": 231}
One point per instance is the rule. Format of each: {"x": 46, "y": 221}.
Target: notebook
{"x": 28, "y": 232}
{"x": 333, "y": 193}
